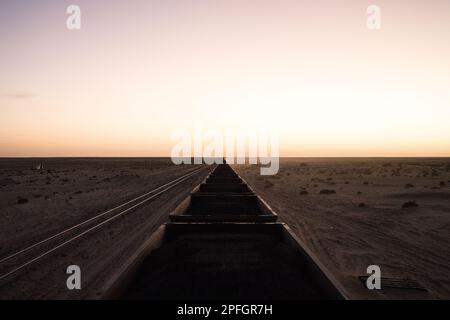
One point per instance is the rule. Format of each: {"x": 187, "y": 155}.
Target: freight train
{"x": 223, "y": 242}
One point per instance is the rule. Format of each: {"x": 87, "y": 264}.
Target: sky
{"x": 139, "y": 70}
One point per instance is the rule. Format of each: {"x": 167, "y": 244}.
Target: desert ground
{"x": 37, "y": 203}
{"x": 353, "y": 213}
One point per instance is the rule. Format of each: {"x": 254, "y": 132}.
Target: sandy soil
{"x": 350, "y": 213}
{"x": 362, "y": 223}
{"x": 35, "y": 204}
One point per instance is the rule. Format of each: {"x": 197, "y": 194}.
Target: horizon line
{"x": 137, "y": 157}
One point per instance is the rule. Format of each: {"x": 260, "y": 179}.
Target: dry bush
{"x": 327, "y": 191}
{"x": 410, "y": 204}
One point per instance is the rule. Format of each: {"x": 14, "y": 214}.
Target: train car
{"x": 223, "y": 261}
{"x": 223, "y": 197}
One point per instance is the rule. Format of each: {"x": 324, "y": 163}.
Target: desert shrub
{"x": 409, "y": 185}
{"x": 327, "y": 191}
{"x": 410, "y": 204}
{"x": 21, "y": 200}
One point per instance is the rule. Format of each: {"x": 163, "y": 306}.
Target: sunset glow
{"x": 138, "y": 70}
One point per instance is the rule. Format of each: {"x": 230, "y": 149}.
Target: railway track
{"x": 12, "y": 264}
